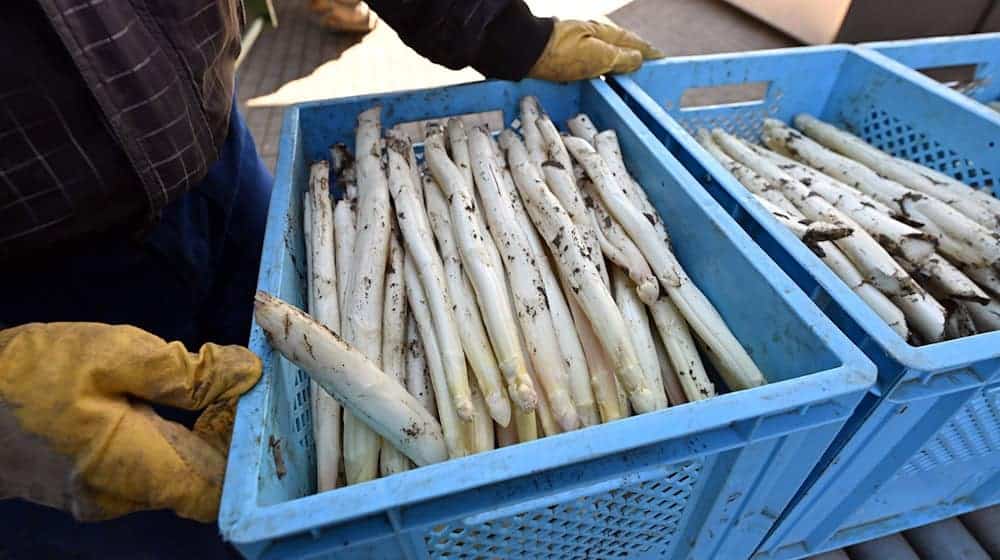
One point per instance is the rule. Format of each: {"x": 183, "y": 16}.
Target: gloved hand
{"x": 586, "y": 49}
{"x": 76, "y": 432}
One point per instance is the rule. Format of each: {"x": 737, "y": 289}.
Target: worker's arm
{"x": 77, "y": 431}
{"x": 503, "y": 39}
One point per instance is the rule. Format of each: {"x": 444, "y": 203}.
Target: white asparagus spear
{"x": 562, "y": 184}
{"x": 618, "y": 247}
{"x": 374, "y": 397}
{"x": 871, "y": 258}
{"x": 809, "y": 231}
{"x": 746, "y": 176}
{"x": 637, "y": 322}
{"x": 924, "y": 314}
{"x": 671, "y": 383}
{"x": 490, "y": 292}
{"x": 985, "y": 316}
{"x": 602, "y": 374}
{"x": 896, "y": 237}
{"x": 987, "y": 278}
{"x": 344, "y": 235}
{"x": 364, "y": 308}
{"x": 983, "y": 210}
{"x": 802, "y": 171}
{"x": 947, "y": 280}
{"x": 558, "y": 174}
{"x": 505, "y": 435}
{"x": 682, "y": 350}
{"x": 552, "y": 145}
{"x": 369, "y": 134}
{"x": 525, "y": 424}
{"x": 530, "y": 113}
{"x": 453, "y": 427}
{"x": 412, "y": 218}
{"x": 458, "y": 143}
{"x": 606, "y": 144}
{"x": 569, "y": 342}
{"x": 566, "y": 246}
{"x": 473, "y": 335}
{"x": 394, "y": 316}
{"x": 582, "y": 127}
{"x": 323, "y": 305}
{"x": 525, "y": 281}
{"x": 418, "y": 380}
{"x": 322, "y": 254}
{"x": 830, "y": 254}
{"x": 982, "y": 197}
{"x": 481, "y": 431}
{"x": 982, "y": 242}
{"x": 738, "y": 369}
{"x": 846, "y": 271}
{"x": 546, "y": 421}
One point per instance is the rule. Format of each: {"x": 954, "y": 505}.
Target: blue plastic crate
{"x": 925, "y": 443}
{"x": 981, "y": 52}
{"x": 706, "y": 479}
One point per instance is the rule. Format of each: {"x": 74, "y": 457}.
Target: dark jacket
{"x": 110, "y": 109}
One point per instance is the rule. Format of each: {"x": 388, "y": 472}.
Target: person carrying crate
{"x": 132, "y": 210}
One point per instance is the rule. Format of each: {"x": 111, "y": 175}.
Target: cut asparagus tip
{"x": 465, "y": 410}
{"x": 499, "y": 407}
{"x": 648, "y": 292}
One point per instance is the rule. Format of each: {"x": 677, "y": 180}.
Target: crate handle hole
{"x": 959, "y": 77}
{"x": 727, "y": 95}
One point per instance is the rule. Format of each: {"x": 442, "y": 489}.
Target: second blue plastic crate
{"x": 925, "y": 443}
{"x": 969, "y": 64}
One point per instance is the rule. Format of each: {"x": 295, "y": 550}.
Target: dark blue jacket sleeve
{"x": 500, "y": 38}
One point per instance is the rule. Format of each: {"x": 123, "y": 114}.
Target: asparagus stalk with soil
{"x": 324, "y": 307}
{"x": 737, "y": 368}
{"x": 452, "y": 426}
{"x": 872, "y": 260}
{"x": 566, "y": 246}
{"x": 637, "y": 321}
{"x": 473, "y": 334}
{"x": 394, "y": 316}
{"x": 572, "y": 350}
{"x": 412, "y": 217}
{"x": 372, "y": 396}
{"x": 490, "y": 292}
{"x": 976, "y": 245}
{"x": 418, "y": 381}
{"x": 366, "y": 290}
{"x": 982, "y": 208}
{"x": 525, "y": 281}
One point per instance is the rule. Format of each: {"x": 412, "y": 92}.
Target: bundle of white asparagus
{"x": 465, "y": 303}
{"x": 919, "y": 247}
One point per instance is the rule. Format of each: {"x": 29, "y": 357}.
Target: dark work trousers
{"x": 191, "y": 279}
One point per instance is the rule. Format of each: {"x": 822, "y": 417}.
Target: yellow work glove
{"x": 586, "y": 49}
{"x": 77, "y": 432}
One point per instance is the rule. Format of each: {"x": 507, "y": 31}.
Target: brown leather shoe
{"x": 351, "y": 16}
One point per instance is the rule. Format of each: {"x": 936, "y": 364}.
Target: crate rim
{"x": 243, "y": 521}
{"x": 927, "y": 41}
{"x": 931, "y": 357}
